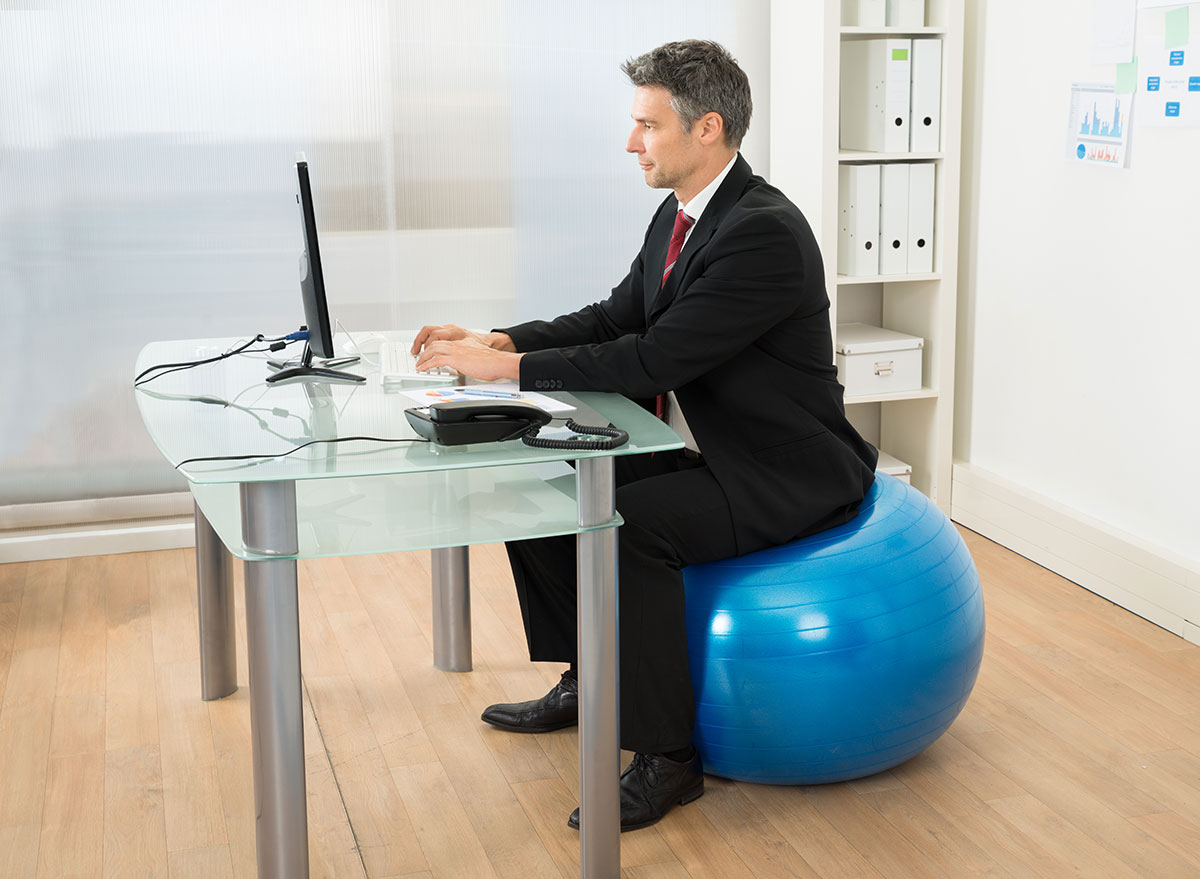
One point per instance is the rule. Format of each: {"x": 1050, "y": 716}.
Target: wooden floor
{"x": 1078, "y": 754}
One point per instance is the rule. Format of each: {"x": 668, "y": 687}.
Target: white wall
{"x": 1079, "y": 312}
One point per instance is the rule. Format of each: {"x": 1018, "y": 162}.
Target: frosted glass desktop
{"x": 361, "y": 497}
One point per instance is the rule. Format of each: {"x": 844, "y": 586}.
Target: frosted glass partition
{"x": 146, "y": 185}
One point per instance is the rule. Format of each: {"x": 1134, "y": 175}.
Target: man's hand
{"x": 453, "y": 333}
{"x": 470, "y": 356}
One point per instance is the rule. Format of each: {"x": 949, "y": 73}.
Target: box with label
{"x": 872, "y": 360}
{"x": 894, "y": 467}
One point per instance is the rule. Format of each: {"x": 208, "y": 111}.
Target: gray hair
{"x": 702, "y": 77}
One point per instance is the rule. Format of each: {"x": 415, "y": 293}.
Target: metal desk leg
{"x": 214, "y": 594}
{"x": 451, "y": 608}
{"x": 599, "y": 726}
{"x": 273, "y": 648}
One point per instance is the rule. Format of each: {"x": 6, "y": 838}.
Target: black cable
{"x": 614, "y": 438}
{"x": 168, "y": 368}
{"x": 340, "y": 439}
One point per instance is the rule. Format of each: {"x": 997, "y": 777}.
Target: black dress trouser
{"x": 675, "y": 515}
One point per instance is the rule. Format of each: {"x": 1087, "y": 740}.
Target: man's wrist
{"x": 501, "y": 342}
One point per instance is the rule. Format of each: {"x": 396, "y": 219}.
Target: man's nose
{"x": 634, "y": 143}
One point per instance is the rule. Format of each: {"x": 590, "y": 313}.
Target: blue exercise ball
{"x": 837, "y": 655}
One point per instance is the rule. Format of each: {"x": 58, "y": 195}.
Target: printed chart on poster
{"x": 1097, "y": 125}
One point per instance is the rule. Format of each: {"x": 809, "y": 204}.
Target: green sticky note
{"x": 1127, "y": 78}
{"x": 899, "y": 54}
{"x": 1177, "y": 28}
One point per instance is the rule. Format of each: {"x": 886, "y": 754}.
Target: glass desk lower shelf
{"x": 365, "y": 515}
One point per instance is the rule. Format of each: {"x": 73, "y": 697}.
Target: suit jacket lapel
{"x": 723, "y": 199}
{"x": 656, "y": 251}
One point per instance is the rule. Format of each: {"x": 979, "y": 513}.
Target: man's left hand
{"x": 472, "y": 359}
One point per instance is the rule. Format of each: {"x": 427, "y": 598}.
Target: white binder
{"x": 925, "y": 134}
{"x": 864, "y": 13}
{"x": 905, "y": 13}
{"x": 893, "y": 219}
{"x": 858, "y": 220}
{"x": 876, "y": 86}
{"x": 920, "y": 218}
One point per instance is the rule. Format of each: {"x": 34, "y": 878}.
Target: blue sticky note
{"x": 1177, "y": 28}
{"x": 1177, "y": 58}
{"x": 1152, "y": 83}
{"x": 1172, "y": 108}
{"x": 1194, "y": 83}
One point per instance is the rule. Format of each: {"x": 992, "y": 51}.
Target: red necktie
{"x": 682, "y": 223}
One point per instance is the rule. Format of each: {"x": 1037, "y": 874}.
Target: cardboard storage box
{"x": 894, "y": 467}
{"x": 872, "y": 360}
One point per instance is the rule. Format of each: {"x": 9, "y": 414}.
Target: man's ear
{"x": 711, "y": 127}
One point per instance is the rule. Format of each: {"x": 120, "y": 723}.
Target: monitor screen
{"x": 312, "y": 281}
{"x": 312, "y": 291}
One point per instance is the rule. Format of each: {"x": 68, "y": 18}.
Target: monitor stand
{"x": 305, "y": 369}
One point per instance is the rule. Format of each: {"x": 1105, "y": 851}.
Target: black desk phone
{"x": 457, "y": 422}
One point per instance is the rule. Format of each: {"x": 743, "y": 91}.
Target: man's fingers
{"x": 419, "y": 341}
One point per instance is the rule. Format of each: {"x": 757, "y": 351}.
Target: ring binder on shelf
{"x": 920, "y": 217}
{"x": 876, "y": 86}
{"x": 858, "y": 220}
{"x": 893, "y": 219}
{"x": 926, "y": 109}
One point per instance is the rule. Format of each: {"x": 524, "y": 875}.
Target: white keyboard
{"x": 396, "y": 363}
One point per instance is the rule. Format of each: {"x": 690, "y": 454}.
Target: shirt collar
{"x": 699, "y": 202}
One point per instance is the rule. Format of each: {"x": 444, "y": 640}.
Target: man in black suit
{"x": 724, "y": 312}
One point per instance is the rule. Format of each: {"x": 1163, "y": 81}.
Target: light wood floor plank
{"x": 40, "y": 621}
{"x": 201, "y": 863}
{"x": 756, "y": 841}
{"x": 171, "y": 578}
{"x": 131, "y": 716}
{"x": 503, "y": 828}
{"x": 135, "y": 835}
{"x": 447, "y": 839}
{"x": 192, "y": 807}
{"x": 72, "y": 839}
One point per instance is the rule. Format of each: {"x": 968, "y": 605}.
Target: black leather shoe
{"x": 557, "y": 709}
{"x": 651, "y": 786}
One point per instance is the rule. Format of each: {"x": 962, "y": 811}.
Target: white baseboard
{"x": 96, "y": 540}
{"x": 1152, "y": 582}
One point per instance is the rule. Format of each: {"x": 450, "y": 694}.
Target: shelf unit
{"x": 806, "y": 40}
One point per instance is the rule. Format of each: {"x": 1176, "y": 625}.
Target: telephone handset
{"x": 456, "y": 422}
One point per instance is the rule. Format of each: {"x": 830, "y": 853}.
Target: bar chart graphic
{"x": 1094, "y": 126}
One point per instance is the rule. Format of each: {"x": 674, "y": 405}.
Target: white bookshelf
{"x": 806, "y": 41}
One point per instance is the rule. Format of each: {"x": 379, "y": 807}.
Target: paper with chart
{"x": 497, "y": 392}
{"x": 1097, "y": 125}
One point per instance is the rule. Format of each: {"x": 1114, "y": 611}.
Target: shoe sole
{"x": 689, "y": 797}
{"x": 512, "y": 727}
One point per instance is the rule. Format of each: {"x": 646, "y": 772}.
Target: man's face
{"x": 666, "y": 153}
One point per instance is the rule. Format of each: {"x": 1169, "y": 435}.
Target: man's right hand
{"x": 453, "y": 333}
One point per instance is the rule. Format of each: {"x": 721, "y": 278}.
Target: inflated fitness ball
{"x": 837, "y": 655}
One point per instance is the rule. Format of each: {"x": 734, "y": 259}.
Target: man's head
{"x": 691, "y": 108}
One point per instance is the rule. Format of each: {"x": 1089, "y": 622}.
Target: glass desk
{"x": 372, "y": 496}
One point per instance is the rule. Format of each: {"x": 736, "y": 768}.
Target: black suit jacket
{"x": 741, "y": 333}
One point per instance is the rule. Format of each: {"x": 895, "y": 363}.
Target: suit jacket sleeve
{"x": 623, "y": 312}
{"x": 754, "y": 273}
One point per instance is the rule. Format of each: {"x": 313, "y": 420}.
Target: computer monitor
{"x": 312, "y": 292}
